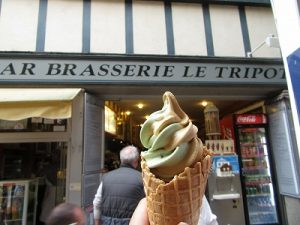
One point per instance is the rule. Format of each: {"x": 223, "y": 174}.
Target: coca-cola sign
{"x": 251, "y": 119}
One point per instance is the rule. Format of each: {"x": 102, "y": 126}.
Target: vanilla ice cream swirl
{"x": 171, "y": 140}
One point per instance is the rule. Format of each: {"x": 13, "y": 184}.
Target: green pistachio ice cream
{"x": 171, "y": 140}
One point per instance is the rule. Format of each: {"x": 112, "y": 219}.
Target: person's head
{"x": 130, "y": 155}
{"x": 65, "y": 214}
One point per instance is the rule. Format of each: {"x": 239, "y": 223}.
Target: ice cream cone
{"x": 178, "y": 200}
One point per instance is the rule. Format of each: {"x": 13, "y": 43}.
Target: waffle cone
{"x": 180, "y": 199}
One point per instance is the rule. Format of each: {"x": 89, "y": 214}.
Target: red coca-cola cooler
{"x": 259, "y": 185}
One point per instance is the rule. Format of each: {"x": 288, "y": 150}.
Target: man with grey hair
{"x": 120, "y": 191}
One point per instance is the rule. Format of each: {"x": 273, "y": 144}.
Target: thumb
{"x": 140, "y": 216}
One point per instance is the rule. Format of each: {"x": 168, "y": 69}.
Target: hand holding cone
{"x": 178, "y": 200}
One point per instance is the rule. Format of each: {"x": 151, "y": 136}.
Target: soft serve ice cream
{"x": 175, "y": 166}
{"x": 171, "y": 140}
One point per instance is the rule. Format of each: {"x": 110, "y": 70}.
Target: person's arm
{"x": 206, "y": 215}
{"x": 97, "y": 205}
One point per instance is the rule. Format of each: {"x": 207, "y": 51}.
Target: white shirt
{"x": 97, "y": 202}
{"x": 206, "y": 215}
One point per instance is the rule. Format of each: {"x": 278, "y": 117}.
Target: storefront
{"x": 36, "y": 148}
{"x": 108, "y": 51}
{"x": 63, "y": 121}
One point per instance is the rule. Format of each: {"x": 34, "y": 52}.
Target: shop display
{"x": 225, "y": 171}
{"x": 18, "y": 125}
{"x": 34, "y": 124}
{"x": 175, "y": 164}
{"x": 260, "y": 196}
{"x": 212, "y": 126}
{"x": 44, "y": 161}
{"x": 18, "y": 201}
{"x": 224, "y": 183}
{"x": 220, "y": 147}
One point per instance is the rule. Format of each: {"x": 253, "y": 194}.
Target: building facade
{"x": 109, "y": 48}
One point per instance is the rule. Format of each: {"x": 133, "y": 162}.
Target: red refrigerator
{"x": 260, "y": 195}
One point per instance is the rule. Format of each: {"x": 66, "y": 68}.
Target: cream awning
{"x": 22, "y": 103}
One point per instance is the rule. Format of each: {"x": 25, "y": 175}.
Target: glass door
{"x": 18, "y": 202}
{"x": 256, "y": 176}
{"x": 12, "y": 198}
{"x": 44, "y": 163}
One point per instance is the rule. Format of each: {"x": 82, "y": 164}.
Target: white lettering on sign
{"x": 246, "y": 119}
{"x": 251, "y": 119}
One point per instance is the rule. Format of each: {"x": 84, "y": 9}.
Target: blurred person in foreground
{"x": 120, "y": 191}
{"x": 66, "y": 214}
{"x": 140, "y": 216}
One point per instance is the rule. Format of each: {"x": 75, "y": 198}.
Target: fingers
{"x": 140, "y": 216}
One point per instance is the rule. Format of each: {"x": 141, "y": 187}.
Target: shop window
{"x": 35, "y": 124}
{"x": 110, "y": 121}
{"x": 43, "y": 163}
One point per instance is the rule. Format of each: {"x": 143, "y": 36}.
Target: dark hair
{"x": 63, "y": 214}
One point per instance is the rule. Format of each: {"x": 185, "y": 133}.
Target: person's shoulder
{"x": 109, "y": 173}
{"x": 130, "y": 171}
{"x": 137, "y": 173}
